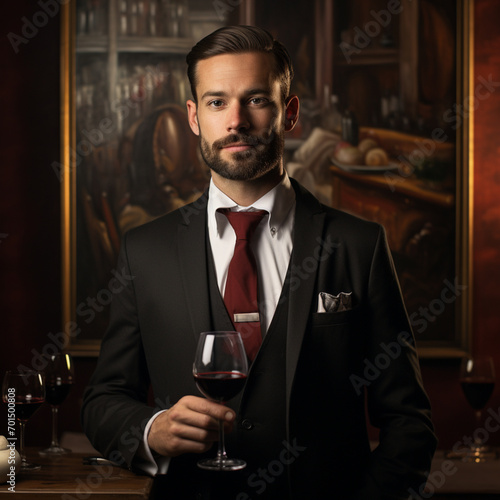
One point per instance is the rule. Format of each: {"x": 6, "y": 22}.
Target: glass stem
{"x": 22, "y": 426}
{"x": 477, "y": 440}
{"x": 55, "y": 440}
{"x": 221, "y": 451}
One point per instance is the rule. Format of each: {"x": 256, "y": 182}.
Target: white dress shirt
{"x": 271, "y": 242}
{"x": 272, "y": 245}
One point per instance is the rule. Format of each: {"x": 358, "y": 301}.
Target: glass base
{"x": 224, "y": 464}
{"x": 479, "y": 454}
{"x": 54, "y": 451}
{"x": 28, "y": 466}
{"x": 475, "y": 454}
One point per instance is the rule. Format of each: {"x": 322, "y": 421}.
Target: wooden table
{"x": 67, "y": 478}
{"x": 457, "y": 480}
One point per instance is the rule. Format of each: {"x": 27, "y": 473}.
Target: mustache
{"x": 250, "y": 140}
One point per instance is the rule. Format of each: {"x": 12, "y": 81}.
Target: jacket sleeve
{"x": 397, "y": 403}
{"x": 114, "y": 411}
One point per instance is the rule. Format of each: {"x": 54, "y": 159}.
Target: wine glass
{"x": 220, "y": 370}
{"x": 24, "y": 392}
{"x": 59, "y": 378}
{"x": 477, "y": 378}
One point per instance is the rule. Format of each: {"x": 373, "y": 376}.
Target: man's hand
{"x": 190, "y": 426}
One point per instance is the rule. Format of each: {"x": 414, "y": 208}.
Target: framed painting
{"x": 129, "y": 156}
{"x": 387, "y": 135}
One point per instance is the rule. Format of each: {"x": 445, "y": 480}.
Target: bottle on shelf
{"x": 350, "y": 128}
{"x": 331, "y": 117}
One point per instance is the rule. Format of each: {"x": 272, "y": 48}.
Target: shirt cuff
{"x": 144, "y": 460}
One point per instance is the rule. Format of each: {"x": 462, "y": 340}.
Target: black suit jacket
{"x": 336, "y": 363}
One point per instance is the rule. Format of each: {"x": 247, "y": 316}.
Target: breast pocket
{"x": 336, "y": 341}
{"x": 335, "y": 318}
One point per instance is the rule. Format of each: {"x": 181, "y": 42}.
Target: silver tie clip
{"x": 246, "y": 317}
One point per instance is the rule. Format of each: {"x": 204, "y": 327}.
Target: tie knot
{"x": 244, "y": 223}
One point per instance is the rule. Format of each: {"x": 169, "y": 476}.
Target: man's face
{"x": 240, "y": 115}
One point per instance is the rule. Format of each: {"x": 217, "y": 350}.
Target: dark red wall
{"x": 30, "y": 256}
{"x": 452, "y": 416}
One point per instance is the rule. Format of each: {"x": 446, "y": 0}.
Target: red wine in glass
{"x": 59, "y": 377}
{"x": 220, "y": 386}
{"x": 57, "y": 393}
{"x": 24, "y": 393}
{"x": 477, "y": 391}
{"x": 25, "y": 410}
{"x": 220, "y": 370}
{"x": 477, "y": 378}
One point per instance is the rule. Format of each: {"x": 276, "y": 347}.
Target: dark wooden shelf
{"x": 369, "y": 56}
{"x": 133, "y": 44}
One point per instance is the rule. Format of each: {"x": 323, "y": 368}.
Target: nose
{"x": 237, "y": 118}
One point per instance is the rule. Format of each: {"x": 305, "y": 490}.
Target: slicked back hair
{"x": 238, "y": 40}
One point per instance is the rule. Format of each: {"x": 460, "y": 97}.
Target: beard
{"x": 266, "y": 153}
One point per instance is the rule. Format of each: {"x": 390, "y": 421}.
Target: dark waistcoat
{"x": 259, "y": 435}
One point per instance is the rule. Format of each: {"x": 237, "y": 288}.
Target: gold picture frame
{"x": 79, "y": 342}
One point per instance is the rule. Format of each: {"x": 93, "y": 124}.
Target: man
{"x": 329, "y": 309}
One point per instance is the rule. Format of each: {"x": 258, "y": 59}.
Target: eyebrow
{"x": 220, "y": 93}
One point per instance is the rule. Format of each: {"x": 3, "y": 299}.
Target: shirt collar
{"x": 277, "y": 202}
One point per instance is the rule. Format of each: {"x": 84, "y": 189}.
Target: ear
{"x": 291, "y": 112}
{"x": 192, "y": 116}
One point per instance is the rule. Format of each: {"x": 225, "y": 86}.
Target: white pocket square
{"x": 328, "y": 303}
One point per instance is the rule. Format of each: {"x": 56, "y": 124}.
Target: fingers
{"x": 205, "y": 407}
{"x": 190, "y": 426}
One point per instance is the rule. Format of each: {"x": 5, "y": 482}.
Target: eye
{"x": 215, "y": 103}
{"x": 258, "y": 101}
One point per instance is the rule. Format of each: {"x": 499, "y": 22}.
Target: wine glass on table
{"x": 24, "y": 393}
{"x": 59, "y": 378}
{"x": 477, "y": 378}
{"x": 220, "y": 370}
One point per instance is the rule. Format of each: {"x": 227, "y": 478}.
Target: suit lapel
{"x": 192, "y": 258}
{"x": 309, "y": 222}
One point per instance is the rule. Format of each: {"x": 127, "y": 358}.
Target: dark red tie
{"x": 240, "y": 295}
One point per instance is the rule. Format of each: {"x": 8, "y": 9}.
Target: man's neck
{"x": 244, "y": 193}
